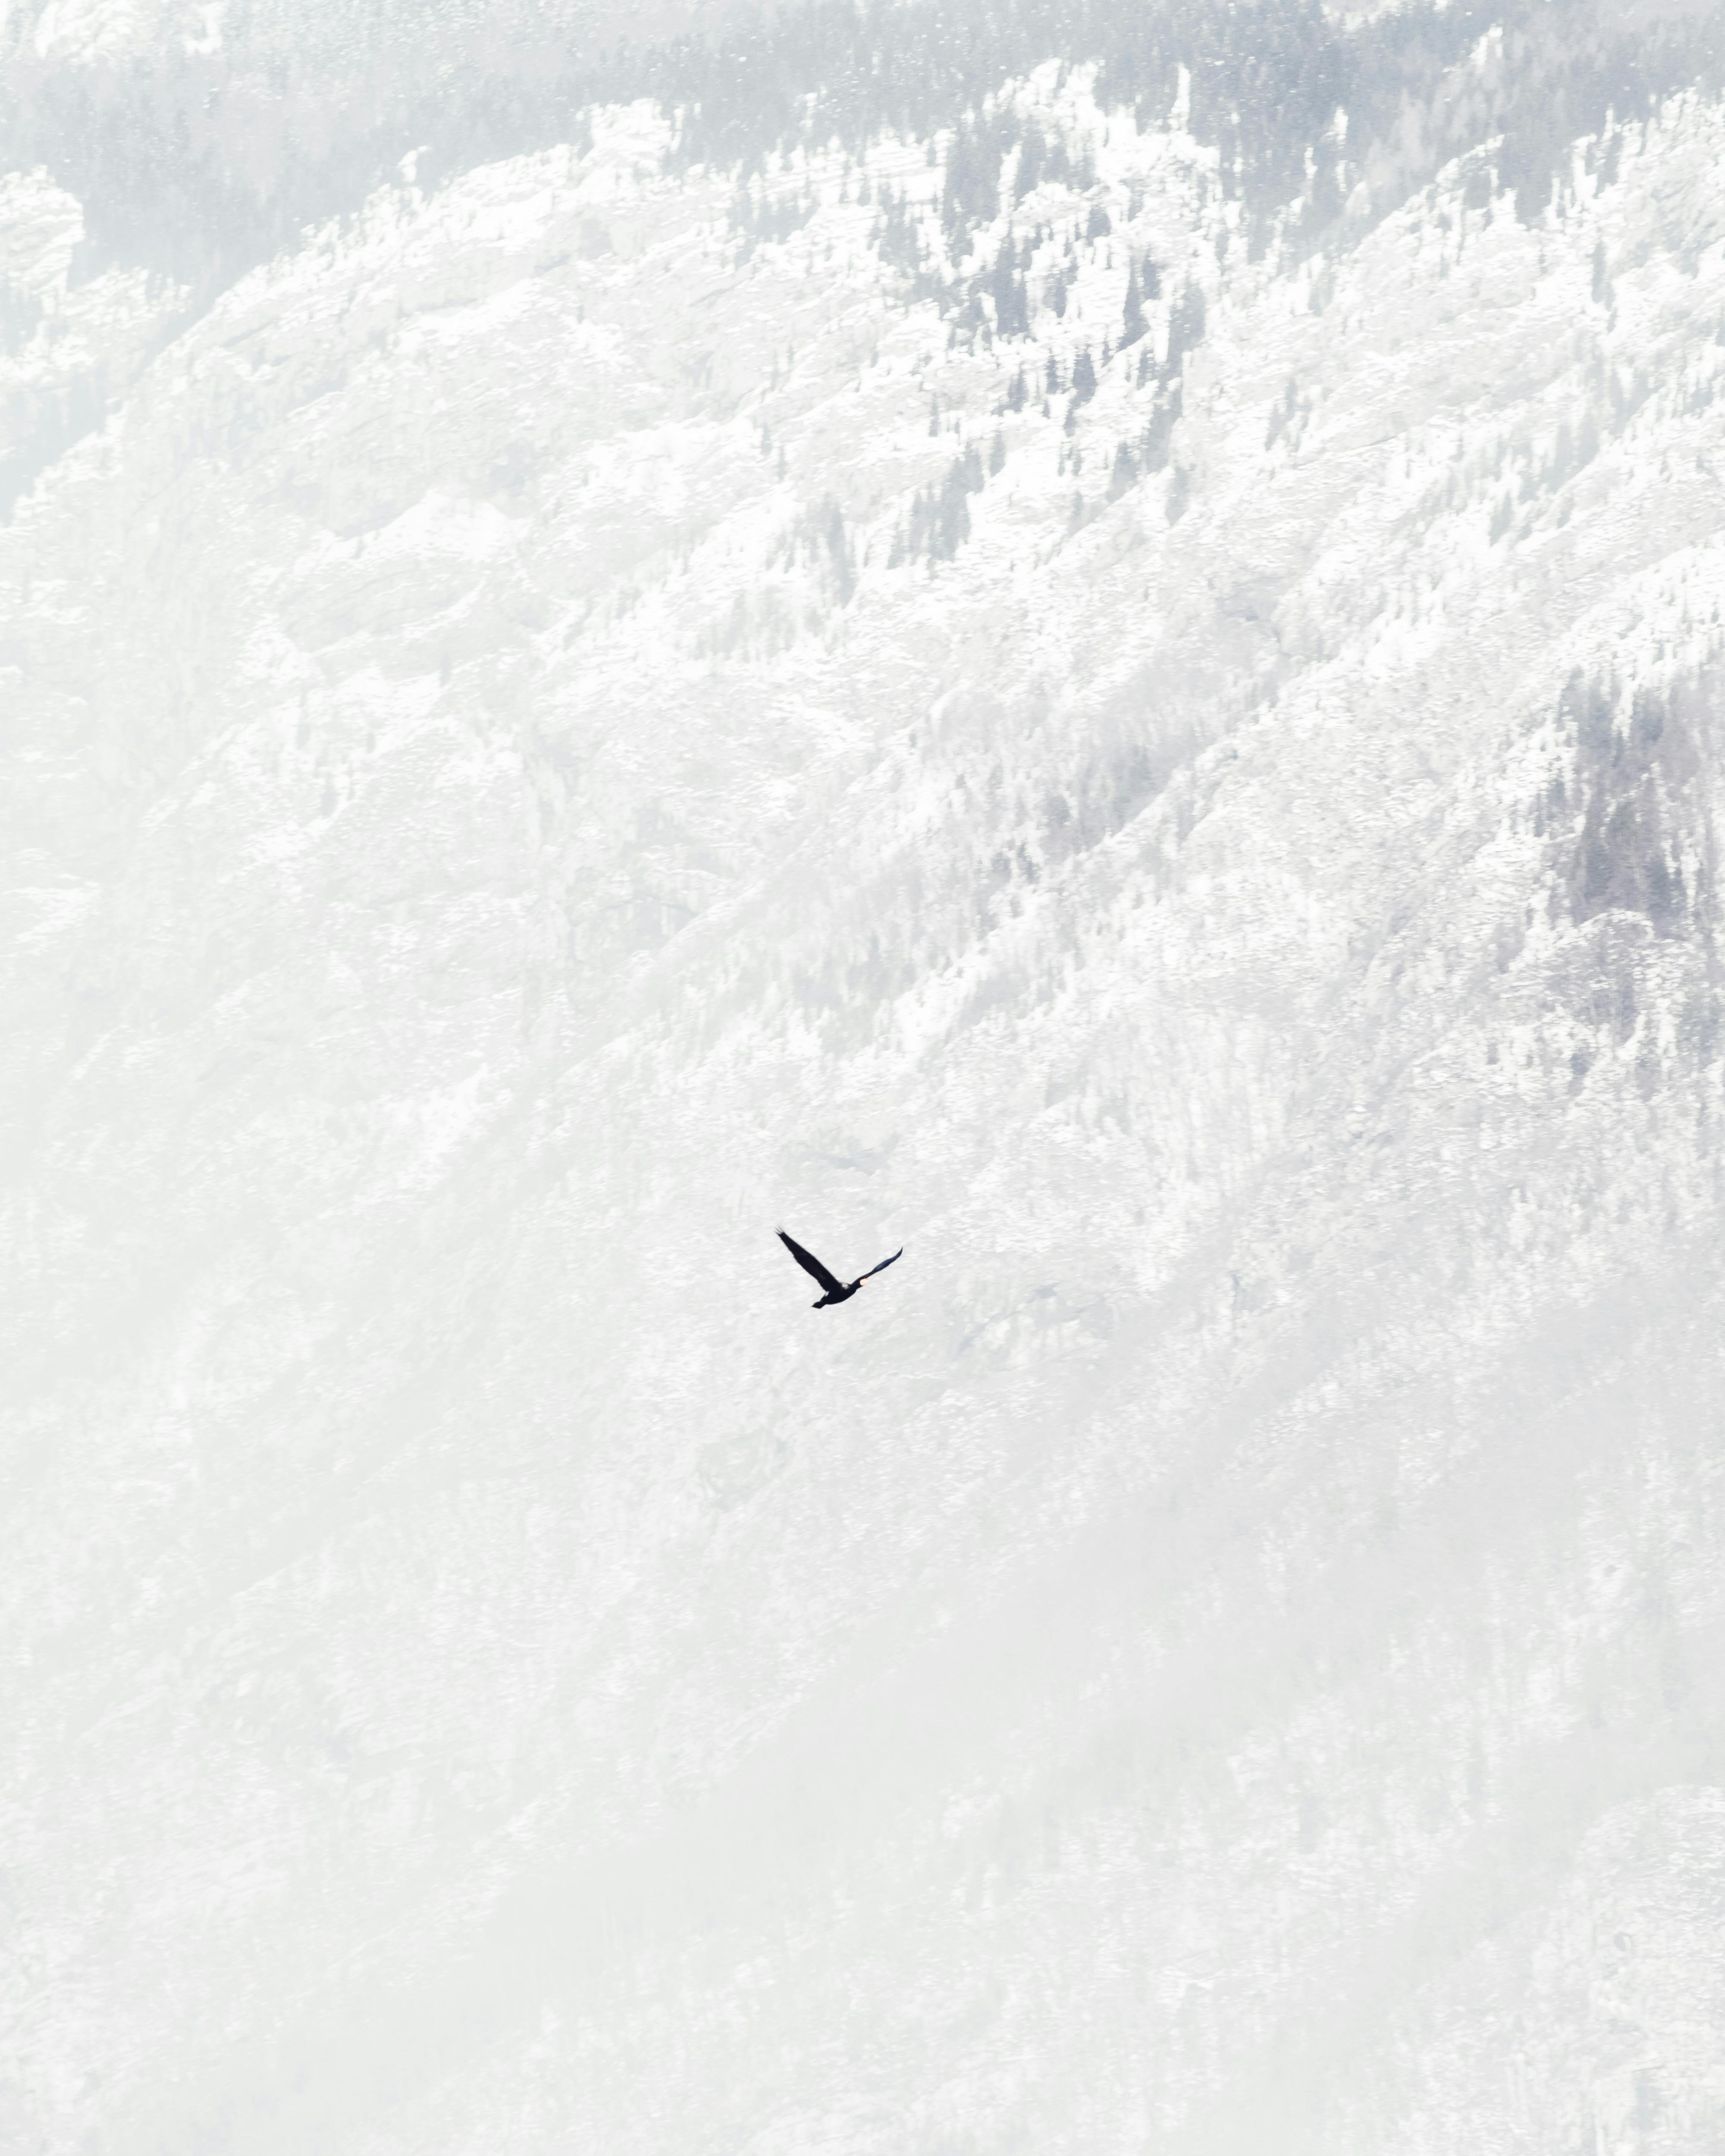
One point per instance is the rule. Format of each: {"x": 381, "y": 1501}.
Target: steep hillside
{"x": 984, "y": 691}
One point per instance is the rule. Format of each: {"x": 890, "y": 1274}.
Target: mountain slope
{"x": 581, "y": 715}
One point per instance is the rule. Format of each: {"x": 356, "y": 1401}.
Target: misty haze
{"x": 1082, "y": 638}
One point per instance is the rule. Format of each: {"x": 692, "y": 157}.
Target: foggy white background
{"x": 504, "y": 804}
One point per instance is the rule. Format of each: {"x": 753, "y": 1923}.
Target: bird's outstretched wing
{"x": 811, "y": 1264}
{"x": 885, "y": 1263}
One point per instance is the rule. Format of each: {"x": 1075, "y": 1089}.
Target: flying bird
{"x": 836, "y": 1290}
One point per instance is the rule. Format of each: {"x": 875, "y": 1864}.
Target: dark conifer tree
{"x": 1033, "y": 151}
{"x": 1185, "y": 328}
{"x": 972, "y": 196}
{"x": 1012, "y": 306}
{"x": 1132, "y": 324}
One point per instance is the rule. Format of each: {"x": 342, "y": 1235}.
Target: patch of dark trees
{"x": 821, "y": 539}
{"x": 1635, "y": 775}
{"x": 757, "y": 216}
{"x": 40, "y": 425}
{"x": 939, "y": 520}
{"x": 19, "y": 313}
{"x": 198, "y": 165}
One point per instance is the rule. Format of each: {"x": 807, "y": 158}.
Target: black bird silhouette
{"x": 836, "y": 1290}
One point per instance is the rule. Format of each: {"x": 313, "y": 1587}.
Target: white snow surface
{"x": 1221, "y": 1648}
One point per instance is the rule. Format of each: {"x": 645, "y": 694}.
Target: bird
{"x": 836, "y": 1290}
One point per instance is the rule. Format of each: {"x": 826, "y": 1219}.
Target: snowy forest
{"x": 1084, "y": 639}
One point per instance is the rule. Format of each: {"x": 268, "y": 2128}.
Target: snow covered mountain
{"x": 983, "y": 689}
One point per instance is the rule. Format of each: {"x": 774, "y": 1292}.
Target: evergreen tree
{"x": 1012, "y": 305}
{"x": 1032, "y": 152}
{"x": 971, "y": 194}
{"x": 1132, "y": 324}
{"x": 1185, "y": 328}
{"x": 1153, "y": 446}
